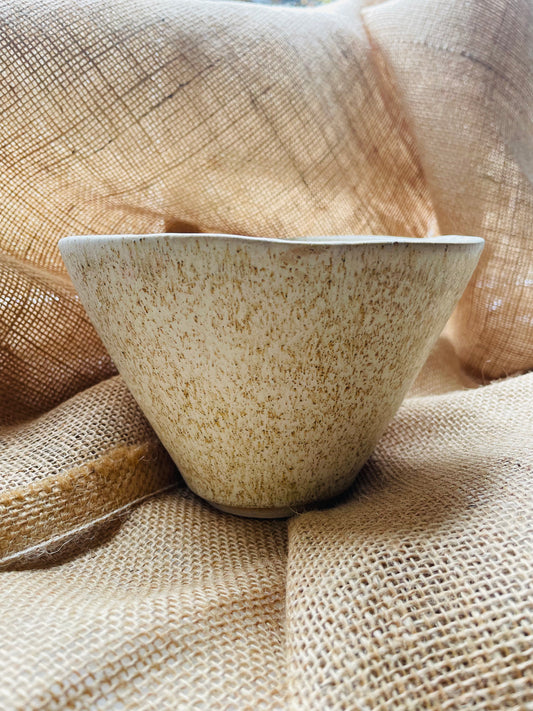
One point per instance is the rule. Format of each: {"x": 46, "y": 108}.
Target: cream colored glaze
{"x": 269, "y": 368}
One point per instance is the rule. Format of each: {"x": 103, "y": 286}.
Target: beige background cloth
{"x": 121, "y": 589}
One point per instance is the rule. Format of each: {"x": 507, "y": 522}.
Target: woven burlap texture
{"x": 120, "y": 589}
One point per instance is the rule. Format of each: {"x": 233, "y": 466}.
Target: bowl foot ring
{"x": 273, "y": 512}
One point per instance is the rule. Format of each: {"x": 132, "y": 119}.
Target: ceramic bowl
{"x": 269, "y": 368}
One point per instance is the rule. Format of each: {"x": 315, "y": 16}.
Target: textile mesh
{"x": 119, "y": 588}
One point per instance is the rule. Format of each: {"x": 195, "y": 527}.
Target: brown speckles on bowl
{"x": 268, "y": 368}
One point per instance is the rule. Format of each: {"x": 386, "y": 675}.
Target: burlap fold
{"x": 120, "y": 589}
{"x": 464, "y": 73}
{"x": 417, "y": 592}
{"x": 73, "y": 467}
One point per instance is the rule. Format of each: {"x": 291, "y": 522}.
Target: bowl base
{"x": 274, "y": 512}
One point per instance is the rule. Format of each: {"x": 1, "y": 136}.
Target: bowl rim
{"x": 308, "y": 240}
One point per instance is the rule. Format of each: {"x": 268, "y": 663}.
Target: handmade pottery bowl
{"x": 269, "y": 368}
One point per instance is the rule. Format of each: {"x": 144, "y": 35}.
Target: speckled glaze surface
{"x": 269, "y": 368}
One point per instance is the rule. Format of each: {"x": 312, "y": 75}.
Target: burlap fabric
{"x": 120, "y": 589}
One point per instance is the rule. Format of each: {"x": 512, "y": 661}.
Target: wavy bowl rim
{"x": 311, "y": 240}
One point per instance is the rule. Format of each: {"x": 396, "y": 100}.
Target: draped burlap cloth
{"x": 119, "y": 588}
